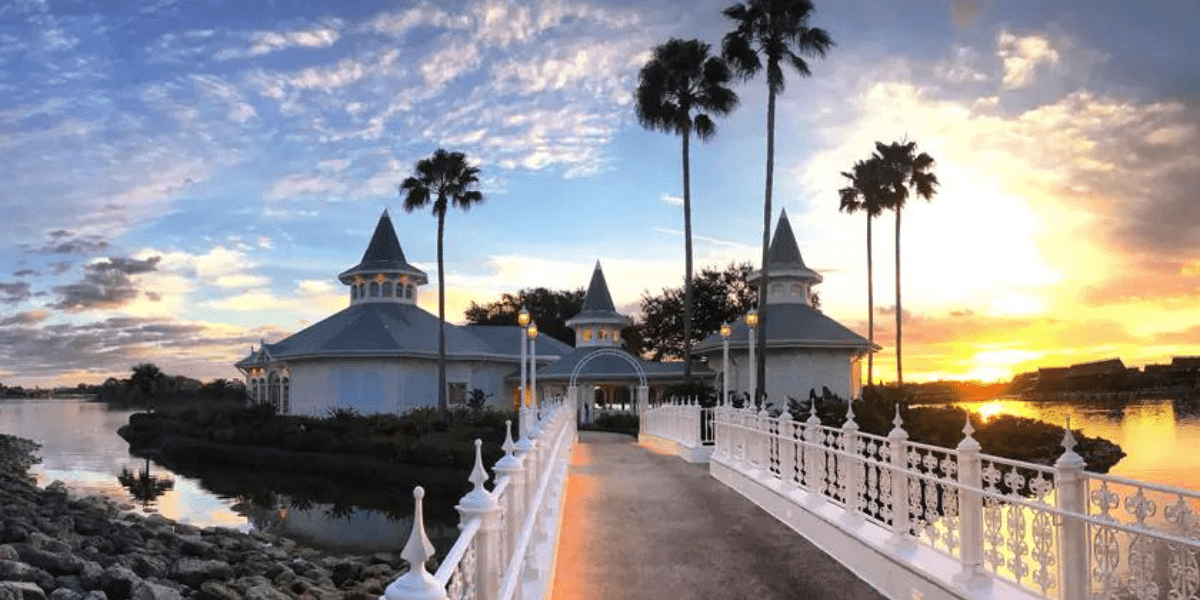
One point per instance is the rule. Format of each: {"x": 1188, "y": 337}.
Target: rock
{"x": 144, "y": 565}
{"x": 57, "y": 487}
{"x": 147, "y": 590}
{"x": 70, "y": 582}
{"x": 214, "y": 590}
{"x": 42, "y": 541}
{"x": 16, "y": 571}
{"x": 21, "y": 590}
{"x": 57, "y": 562}
{"x": 63, "y": 593}
{"x": 193, "y": 545}
{"x": 265, "y": 592}
{"x": 7, "y": 552}
{"x": 345, "y": 571}
{"x": 91, "y": 576}
{"x": 194, "y": 571}
{"x": 119, "y": 581}
{"x": 95, "y": 595}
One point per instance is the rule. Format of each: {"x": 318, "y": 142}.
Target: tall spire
{"x": 598, "y": 323}
{"x": 383, "y": 274}
{"x": 598, "y": 299}
{"x": 791, "y": 281}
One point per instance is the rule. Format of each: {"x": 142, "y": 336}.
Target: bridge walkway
{"x": 639, "y": 523}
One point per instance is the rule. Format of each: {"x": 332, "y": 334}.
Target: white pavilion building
{"x": 806, "y": 350}
{"x": 380, "y": 353}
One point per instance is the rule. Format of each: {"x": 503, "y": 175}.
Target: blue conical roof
{"x": 384, "y": 255}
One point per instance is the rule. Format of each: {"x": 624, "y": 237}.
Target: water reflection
{"x": 81, "y": 448}
{"x": 1159, "y": 436}
{"x": 143, "y": 486}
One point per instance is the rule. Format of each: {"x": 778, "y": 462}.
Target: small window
{"x": 776, "y": 290}
{"x": 387, "y": 289}
{"x": 374, "y": 289}
{"x": 408, "y": 291}
{"x": 603, "y": 334}
{"x": 798, "y": 290}
{"x": 587, "y": 335}
{"x": 354, "y": 292}
{"x": 458, "y": 393}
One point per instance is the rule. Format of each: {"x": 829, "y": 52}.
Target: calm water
{"x": 81, "y": 448}
{"x": 1160, "y": 441}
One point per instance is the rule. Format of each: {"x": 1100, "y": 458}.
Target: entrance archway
{"x": 643, "y": 390}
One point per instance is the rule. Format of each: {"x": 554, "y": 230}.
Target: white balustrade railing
{"x": 508, "y": 536}
{"x": 680, "y": 419}
{"x": 1053, "y": 531}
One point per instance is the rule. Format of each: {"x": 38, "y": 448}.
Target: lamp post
{"x": 532, "y": 331}
{"x": 752, "y": 322}
{"x": 523, "y": 321}
{"x": 725, "y": 331}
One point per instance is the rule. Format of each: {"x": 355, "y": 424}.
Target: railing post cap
{"x": 478, "y": 499}
{"x": 897, "y": 432}
{"x": 969, "y": 443}
{"x": 1069, "y": 459}
{"x": 417, "y": 583}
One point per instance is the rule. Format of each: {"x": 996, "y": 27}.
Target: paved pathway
{"x": 642, "y": 524}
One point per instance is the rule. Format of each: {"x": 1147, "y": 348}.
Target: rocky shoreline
{"x": 56, "y": 547}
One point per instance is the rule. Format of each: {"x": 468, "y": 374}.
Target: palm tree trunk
{"x": 443, "y": 407}
{"x": 687, "y": 263}
{"x": 899, "y": 310}
{"x": 766, "y": 246}
{"x": 870, "y": 307}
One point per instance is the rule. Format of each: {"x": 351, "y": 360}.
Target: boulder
{"x": 21, "y": 590}
{"x": 16, "y": 571}
{"x": 194, "y": 571}
{"x": 147, "y": 590}
{"x": 265, "y": 592}
{"x": 57, "y": 562}
{"x": 119, "y": 581}
{"x": 215, "y": 590}
{"x": 63, "y": 593}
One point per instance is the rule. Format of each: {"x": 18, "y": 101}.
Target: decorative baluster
{"x": 481, "y": 504}
{"x": 787, "y": 452}
{"x": 417, "y": 583}
{"x": 898, "y": 440}
{"x": 970, "y": 475}
{"x": 514, "y": 497}
{"x": 850, "y": 465}
{"x": 1071, "y": 484}
{"x": 814, "y": 461}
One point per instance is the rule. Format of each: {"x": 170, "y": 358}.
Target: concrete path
{"x": 642, "y": 524}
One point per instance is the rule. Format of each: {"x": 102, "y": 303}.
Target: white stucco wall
{"x": 372, "y": 385}
{"x": 793, "y": 372}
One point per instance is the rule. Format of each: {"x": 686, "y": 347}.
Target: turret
{"x": 599, "y": 323}
{"x": 383, "y": 275}
{"x": 790, "y": 280}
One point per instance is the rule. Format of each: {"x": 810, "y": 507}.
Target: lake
{"x": 1159, "y": 439}
{"x": 81, "y": 448}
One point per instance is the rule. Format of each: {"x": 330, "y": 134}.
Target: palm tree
{"x": 866, "y": 193}
{"x": 778, "y": 31}
{"x": 443, "y": 178}
{"x": 904, "y": 170}
{"x": 678, "y": 90}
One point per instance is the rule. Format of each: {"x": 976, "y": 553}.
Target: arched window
{"x": 603, "y": 334}
{"x": 798, "y": 290}
{"x": 387, "y": 289}
{"x": 408, "y": 291}
{"x": 776, "y": 290}
{"x": 374, "y": 289}
{"x": 587, "y": 335}
{"x": 273, "y": 390}
{"x": 286, "y": 404}
{"x": 354, "y": 292}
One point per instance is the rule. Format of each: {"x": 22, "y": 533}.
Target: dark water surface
{"x": 81, "y": 448}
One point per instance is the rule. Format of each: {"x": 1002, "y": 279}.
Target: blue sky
{"x": 184, "y": 178}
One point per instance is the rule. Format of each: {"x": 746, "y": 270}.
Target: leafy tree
{"x": 677, "y": 92}
{"x": 147, "y": 378}
{"x": 550, "y": 309}
{"x": 778, "y": 31}
{"x": 904, "y": 171}
{"x": 720, "y": 296}
{"x": 443, "y": 179}
{"x": 866, "y": 193}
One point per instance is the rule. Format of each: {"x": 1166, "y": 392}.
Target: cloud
{"x": 267, "y": 42}
{"x": 25, "y": 273}
{"x": 1022, "y": 55}
{"x": 672, "y": 200}
{"x": 30, "y": 317}
{"x": 14, "y": 292}
{"x": 107, "y": 284}
{"x": 62, "y": 241}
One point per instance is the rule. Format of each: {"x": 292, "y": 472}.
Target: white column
{"x": 753, "y": 371}
{"x": 479, "y": 503}
{"x": 970, "y": 510}
{"x": 1071, "y": 484}
{"x": 724, "y": 371}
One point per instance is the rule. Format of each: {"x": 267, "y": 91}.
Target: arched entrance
{"x": 643, "y": 390}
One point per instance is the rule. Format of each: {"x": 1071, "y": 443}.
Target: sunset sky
{"x": 183, "y": 178}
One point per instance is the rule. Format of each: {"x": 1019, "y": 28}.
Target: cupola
{"x": 789, "y": 280}
{"x": 383, "y": 275}
{"x": 599, "y": 323}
